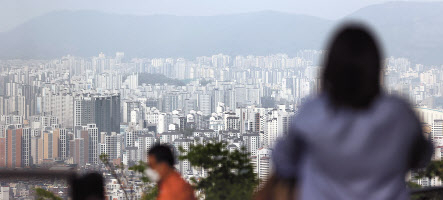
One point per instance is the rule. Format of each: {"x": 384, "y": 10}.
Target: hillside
{"x": 85, "y": 33}
{"x": 409, "y": 29}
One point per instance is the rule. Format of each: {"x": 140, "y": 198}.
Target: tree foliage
{"x": 148, "y": 78}
{"x": 43, "y": 194}
{"x": 413, "y": 185}
{"x": 204, "y": 82}
{"x": 434, "y": 169}
{"x": 230, "y": 175}
{"x": 104, "y": 158}
{"x": 267, "y": 102}
{"x": 149, "y": 192}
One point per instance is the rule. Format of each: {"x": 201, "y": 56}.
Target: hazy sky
{"x": 15, "y": 12}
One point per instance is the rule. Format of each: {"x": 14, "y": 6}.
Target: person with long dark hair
{"x": 352, "y": 141}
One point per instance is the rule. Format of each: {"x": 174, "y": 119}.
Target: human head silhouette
{"x": 351, "y": 74}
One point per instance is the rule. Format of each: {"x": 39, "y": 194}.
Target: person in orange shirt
{"x": 171, "y": 185}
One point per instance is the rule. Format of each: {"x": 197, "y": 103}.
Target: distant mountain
{"x": 409, "y": 29}
{"x": 413, "y": 30}
{"x": 86, "y": 33}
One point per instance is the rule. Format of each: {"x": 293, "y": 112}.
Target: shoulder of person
{"x": 400, "y": 109}
{"x": 396, "y": 102}
{"x": 179, "y": 182}
{"x": 309, "y": 113}
{"x": 313, "y": 102}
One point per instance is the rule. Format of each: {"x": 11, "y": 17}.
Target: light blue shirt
{"x": 346, "y": 153}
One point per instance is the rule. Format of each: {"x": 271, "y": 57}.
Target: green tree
{"x": 43, "y": 194}
{"x": 435, "y": 168}
{"x": 149, "y": 192}
{"x": 230, "y": 174}
{"x": 413, "y": 185}
{"x": 148, "y": 78}
{"x": 104, "y": 158}
{"x": 188, "y": 131}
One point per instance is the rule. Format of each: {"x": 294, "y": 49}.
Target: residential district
{"x": 66, "y": 112}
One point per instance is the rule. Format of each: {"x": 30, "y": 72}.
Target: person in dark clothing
{"x": 88, "y": 187}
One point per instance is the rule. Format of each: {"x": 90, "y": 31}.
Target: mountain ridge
{"x": 406, "y": 29}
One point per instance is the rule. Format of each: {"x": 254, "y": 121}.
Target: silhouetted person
{"x": 171, "y": 186}
{"x": 88, "y": 187}
{"x": 353, "y": 141}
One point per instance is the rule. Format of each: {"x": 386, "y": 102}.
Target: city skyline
{"x": 70, "y": 110}
{"x": 91, "y": 87}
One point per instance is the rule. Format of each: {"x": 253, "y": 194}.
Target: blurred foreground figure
{"x": 88, "y": 187}
{"x": 353, "y": 141}
{"x": 277, "y": 188}
{"x": 161, "y": 170}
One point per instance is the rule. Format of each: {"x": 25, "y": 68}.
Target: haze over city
{"x": 17, "y": 12}
{"x": 92, "y": 86}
